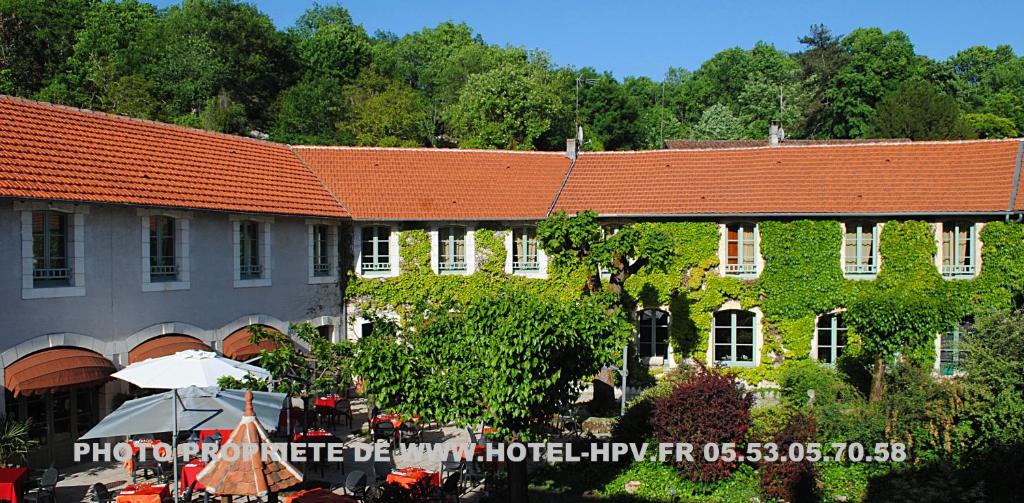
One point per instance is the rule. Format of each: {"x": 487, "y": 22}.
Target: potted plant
{"x": 15, "y": 442}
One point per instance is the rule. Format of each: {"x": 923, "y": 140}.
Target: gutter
{"x": 801, "y": 214}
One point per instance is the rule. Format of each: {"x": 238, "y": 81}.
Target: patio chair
{"x": 355, "y": 485}
{"x": 186, "y": 496}
{"x": 449, "y": 490}
{"x": 99, "y": 493}
{"x": 344, "y": 409}
{"x": 381, "y": 469}
{"x": 149, "y": 467}
{"x": 46, "y": 488}
{"x": 410, "y": 432}
{"x": 476, "y": 473}
{"x": 452, "y": 464}
{"x": 473, "y": 439}
{"x": 385, "y": 430}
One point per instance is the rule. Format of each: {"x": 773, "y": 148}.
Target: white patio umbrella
{"x": 181, "y": 370}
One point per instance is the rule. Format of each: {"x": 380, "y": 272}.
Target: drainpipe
{"x": 1016, "y": 183}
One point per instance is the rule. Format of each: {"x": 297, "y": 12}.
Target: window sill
{"x": 252, "y": 283}
{"x": 377, "y": 274}
{"x": 535, "y": 274}
{"x": 863, "y": 276}
{"x": 166, "y": 286}
{"x": 322, "y": 280}
{"x": 53, "y": 292}
{"x": 730, "y": 364}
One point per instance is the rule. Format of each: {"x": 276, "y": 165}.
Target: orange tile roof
{"x": 61, "y": 153}
{"x": 439, "y": 184}
{"x": 880, "y": 178}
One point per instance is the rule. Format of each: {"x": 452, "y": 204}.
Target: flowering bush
{"x": 707, "y": 407}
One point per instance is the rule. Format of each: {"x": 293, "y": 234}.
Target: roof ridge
{"x": 430, "y": 149}
{"x": 149, "y": 122}
{"x": 800, "y": 146}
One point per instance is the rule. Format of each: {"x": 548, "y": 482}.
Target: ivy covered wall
{"x": 802, "y": 279}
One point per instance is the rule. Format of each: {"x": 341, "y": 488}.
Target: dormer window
{"x": 860, "y": 249}
{"x": 451, "y": 257}
{"x": 959, "y": 249}
{"x": 740, "y": 249}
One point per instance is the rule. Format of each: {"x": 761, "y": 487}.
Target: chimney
{"x": 776, "y": 134}
{"x": 571, "y": 148}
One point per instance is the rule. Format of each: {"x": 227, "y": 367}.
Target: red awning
{"x": 238, "y": 347}
{"x": 56, "y": 368}
{"x": 164, "y": 345}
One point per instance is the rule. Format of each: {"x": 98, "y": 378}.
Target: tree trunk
{"x": 518, "y": 483}
{"x": 878, "y": 379}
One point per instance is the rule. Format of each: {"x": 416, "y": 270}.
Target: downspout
{"x": 572, "y": 152}
{"x": 1016, "y": 185}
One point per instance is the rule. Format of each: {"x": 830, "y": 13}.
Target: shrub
{"x": 922, "y": 412}
{"x": 707, "y": 407}
{"x": 635, "y": 425}
{"x": 993, "y": 381}
{"x": 797, "y": 377}
{"x": 792, "y": 481}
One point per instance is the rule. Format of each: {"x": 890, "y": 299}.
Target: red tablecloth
{"x": 479, "y": 451}
{"x": 318, "y": 495}
{"x": 189, "y": 472}
{"x": 143, "y": 493}
{"x": 315, "y": 436}
{"x": 394, "y": 418}
{"x": 205, "y": 434}
{"x": 12, "y": 483}
{"x": 328, "y": 401}
{"x": 411, "y": 477}
{"x": 137, "y": 445}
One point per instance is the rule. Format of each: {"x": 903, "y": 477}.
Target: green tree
{"x": 718, "y": 123}
{"x": 993, "y": 382}
{"x": 919, "y": 111}
{"x": 875, "y": 63}
{"x": 513, "y": 106}
{"x": 330, "y": 45}
{"x": 821, "y": 60}
{"x": 386, "y": 113}
{"x": 309, "y": 113}
{"x": 224, "y": 115}
{"x": 510, "y": 360}
{"x": 984, "y": 125}
{"x": 36, "y": 38}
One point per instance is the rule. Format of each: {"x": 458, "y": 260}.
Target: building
{"x": 125, "y": 239}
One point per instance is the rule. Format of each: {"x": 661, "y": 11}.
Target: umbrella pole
{"x": 174, "y": 447}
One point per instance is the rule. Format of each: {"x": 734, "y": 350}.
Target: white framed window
{"x": 52, "y": 249}
{"x": 165, "y": 250}
{"x": 740, "y": 252}
{"x": 829, "y": 338}
{"x": 860, "y": 250}
{"x": 524, "y": 257}
{"x": 958, "y": 256}
{"x": 453, "y": 250}
{"x": 252, "y": 259}
{"x": 608, "y": 231}
{"x": 652, "y": 333}
{"x": 375, "y": 248}
{"x": 734, "y": 338}
{"x": 951, "y": 352}
{"x": 321, "y": 251}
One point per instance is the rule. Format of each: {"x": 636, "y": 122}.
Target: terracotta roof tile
{"x": 62, "y": 153}
{"x": 439, "y": 184}
{"x": 882, "y": 178}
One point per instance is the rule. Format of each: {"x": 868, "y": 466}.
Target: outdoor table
{"x": 143, "y": 493}
{"x": 318, "y": 495}
{"x": 394, "y": 418}
{"x": 479, "y": 451}
{"x": 136, "y": 446}
{"x": 205, "y": 434}
{"x": 12, "y": 483}
{"x": 189, "y": 473}
{"x": 412, "y": 477}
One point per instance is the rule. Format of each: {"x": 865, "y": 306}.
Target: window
{"x": 376, "y": 249}
{"x": 861, "y": 249}
{"x": 951, "y": 353}
{"x": 50, "y": 265}
{"x": 249, "y": 255}
{"x": 524, "y": 250}
{"x": 608, "y": 231}
{"x": 366, "y": 330}
{"x": 652, "y": 333}
{"x": 734, "y": 338}
{"x": 831, "y": 337}
{"x": 958, "y": 254}
{"x": 451, "y": 257}
{"x": 741, "y": 249}
{"x": 321, "y": 250}
{"x": 163, "y": 265}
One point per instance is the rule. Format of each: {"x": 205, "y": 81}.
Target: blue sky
{"x": 638, "y": 37}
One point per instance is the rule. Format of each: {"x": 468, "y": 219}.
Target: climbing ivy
{"x": 802, "y": 279}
